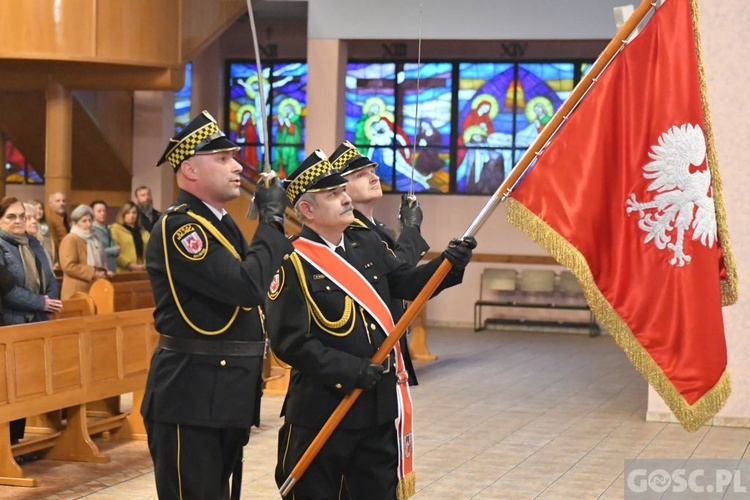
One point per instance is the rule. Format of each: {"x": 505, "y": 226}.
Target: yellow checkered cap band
{"x": 308, "y": 178}
{"x": 186, "y": 147}
{"x": 342, "y": 160}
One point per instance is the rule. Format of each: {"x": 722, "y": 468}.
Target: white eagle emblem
{"x": 683, "y": 200}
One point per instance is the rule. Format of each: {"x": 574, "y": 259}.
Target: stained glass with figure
{"x": 289, "y": 97}
{"x": 486, "y": 119}
{"x": 425, "y": 117}
{"x": 370, "y": 116}
{"x": 285, "y": 92}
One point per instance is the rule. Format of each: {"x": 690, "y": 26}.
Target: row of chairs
{"x": 542, "y": 281}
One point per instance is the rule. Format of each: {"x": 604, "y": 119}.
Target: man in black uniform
{"x": 204, "y": 384}
{"x": 365, "y": 191}
{"x": 327, "y": 315}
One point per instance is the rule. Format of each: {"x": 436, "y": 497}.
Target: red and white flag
{"x": 627, "y": 195}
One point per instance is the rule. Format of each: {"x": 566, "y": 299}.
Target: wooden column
{"x": 2, "y": 162}
{"x": 59, "y": 137}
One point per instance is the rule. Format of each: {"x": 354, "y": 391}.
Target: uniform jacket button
{"x": 338, "y": 386}
{"x": 372, "y": 326}
{"x": 223, "y": 362}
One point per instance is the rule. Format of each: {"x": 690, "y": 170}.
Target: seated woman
{"x": 132, "y": 239}
{"x": 34, "y": 295}
{"x": 81, "y": 254}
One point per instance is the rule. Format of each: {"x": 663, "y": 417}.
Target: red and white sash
{"x": 359, "y": 289}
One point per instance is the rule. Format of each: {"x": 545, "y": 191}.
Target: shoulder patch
{"x": 191, "y": 241}
{"x": 277, "y": 283}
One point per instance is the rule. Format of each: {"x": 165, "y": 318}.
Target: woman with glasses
{"x": 35, "y": 293}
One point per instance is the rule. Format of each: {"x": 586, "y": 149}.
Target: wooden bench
{"x": 66, "y": 364}
{"x": 122, "y": 293}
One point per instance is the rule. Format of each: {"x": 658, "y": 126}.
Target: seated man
{"x": 327, "y": 316}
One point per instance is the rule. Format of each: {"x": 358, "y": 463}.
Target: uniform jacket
{"x": 77, "y": 274}
{"x": 128, "y": 254}
{"x": 212, "y": 286}
{"x": 19, "y": 303}
{"x": 410, "y": 247}
{"x": 325, "y": 359}
{"x": 105, "y": 236}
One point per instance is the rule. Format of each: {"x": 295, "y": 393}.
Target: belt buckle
{"x": 388, "y": 363}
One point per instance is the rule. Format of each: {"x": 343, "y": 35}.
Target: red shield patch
{"x": 192, "y": 243}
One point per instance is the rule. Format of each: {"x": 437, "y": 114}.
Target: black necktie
{"x": 342, "y": 253}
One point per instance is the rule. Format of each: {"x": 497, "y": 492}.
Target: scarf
{"x": 135, "y": 232}
{"x": 32, "y": 268}
{"x": 94, "y": 249}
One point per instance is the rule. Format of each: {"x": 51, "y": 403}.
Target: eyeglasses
{"x": 13, "y": 217}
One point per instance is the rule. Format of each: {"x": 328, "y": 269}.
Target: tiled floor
{"x": 500, "y": 415}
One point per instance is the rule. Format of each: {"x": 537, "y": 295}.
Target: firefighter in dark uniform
{"x": 328, "y": 336}
{"x": 365, "y": 191}
{"x": 204, "y": 384}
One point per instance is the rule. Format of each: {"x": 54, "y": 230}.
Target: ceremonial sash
{"x": 359, "y": 289}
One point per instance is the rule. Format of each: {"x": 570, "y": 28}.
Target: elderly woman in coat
{"x": 34, "y": 295}
{"x": 82, "y": 258}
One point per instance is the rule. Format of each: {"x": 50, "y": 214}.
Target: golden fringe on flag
{"x": 407, "y": 486}
{"x": 729, "y": 287}
{"x": 692, "y": 417}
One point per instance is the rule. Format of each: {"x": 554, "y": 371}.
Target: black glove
{"x": 369, "y": 374}
{"x": 459, "y": 251}
{"x": 271, "y": 202}
{"x": 409, "y": 214}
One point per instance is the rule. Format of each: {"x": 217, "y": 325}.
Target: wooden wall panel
{"x": 30, "y": 368}
{"x": 3, "y": 375}
{"x": 141, "y": 31}
{"x": 135, "y": 354}
{"x": 42, "y": 29}
{"x": 65, "y": 362}
{"x": 104, "y": 351}
{"x": 203, "y": 22}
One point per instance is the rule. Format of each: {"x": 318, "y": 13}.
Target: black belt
{"x": 213, "y": 347}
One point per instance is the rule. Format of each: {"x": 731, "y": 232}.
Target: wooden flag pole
{"x": 501, "y": 194}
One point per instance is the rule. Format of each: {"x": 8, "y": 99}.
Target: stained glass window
{"x": 17, "y": 169}
{"x": 370, "y": 116}
{"x": 285, "y": 92}
{"x": 428, "y": 120}
{"x": 182, "y": 100}
{"x": 502, "y": 108}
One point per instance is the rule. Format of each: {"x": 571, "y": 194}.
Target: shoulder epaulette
{"x": 182, "y": 208}
{"x": 358, "y": 224}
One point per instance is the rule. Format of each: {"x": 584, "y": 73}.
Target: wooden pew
{"x": 67, "y": 364}
{"x": 80, "y": 304}
{"x": 121, "y": 294}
